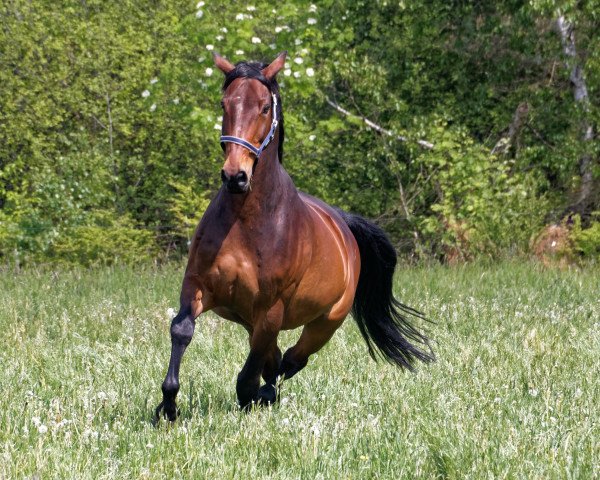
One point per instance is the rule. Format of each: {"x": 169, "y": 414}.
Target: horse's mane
{"x": 254, "y": 70}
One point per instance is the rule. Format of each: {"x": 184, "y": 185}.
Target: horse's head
{"x": 250, "y": 117}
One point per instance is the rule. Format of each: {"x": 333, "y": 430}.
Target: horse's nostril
{"x": 241, "y": 177}
{"x": 224, "y": 176}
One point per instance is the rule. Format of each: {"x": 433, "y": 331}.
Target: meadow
{"x": 515, "y": 391}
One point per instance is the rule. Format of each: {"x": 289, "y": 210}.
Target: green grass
{"x": 515, "y": 392}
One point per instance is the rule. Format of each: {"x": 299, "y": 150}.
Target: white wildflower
{"x": 298, "y": 60}
{"x": 146, "y": 93}
{"x": 200, "y": 4}
{"x": 239, "y": 52}
{"x": 284, "y": 400}
{"x": 311, "y": 21}
{"x": 251, "y": 8}
{"x": 278, "y": 29}
{"x": 312, "y": 8}
{"x": 220, "y": 119}
{"x": 171, "y": 312}
{"x": 296, "y": 74}
{"x": 149, "y": 445}
{"x": 218, "y": 38}
{"x": 310, "y": 72}
{"x": 201, "y": 59}
{"x": 312, "y": 137}
{"x": 304, "y": 51}
{"x": 285, "y": 421}
{"x": 239, "y": 16}
{"x": 217, "y": 126}
{"x": 176, "y": 101}
{"x": 286, "y": 65}
{"x": 36, "y": 421}
{"x": 256, "y": 40}
{"x": 208, "y": 72}
{"x": 224, "y": 30}
{"x": 101, "y": 396}
{"x": 199, "y": 14}
{"x": 297, "y": 42}
{"x": 42, "y": 429}
{"x": 153, "y": 81}
{"x": 272, "y": 46}
{"x": 287, "y": 72}
{"x": 315, "y": 430}
{"x": 153, "y": 107}
{"x": 210, "y": 47}
{"x": 533, "y": 392}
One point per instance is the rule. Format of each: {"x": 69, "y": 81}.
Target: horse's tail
{"x": 383, "y": 320}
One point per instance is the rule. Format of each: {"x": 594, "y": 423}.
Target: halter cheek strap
{"x": 246, "y": 144}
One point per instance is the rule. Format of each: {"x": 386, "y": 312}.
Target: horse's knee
{"x": 182, "y": 329}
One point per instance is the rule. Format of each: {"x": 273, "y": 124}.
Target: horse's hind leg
{"x": 314, "y": 335}
{"x": 268, "y": 392}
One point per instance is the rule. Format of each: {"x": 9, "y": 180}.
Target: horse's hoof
{"x": 170, "y": 412}
{"x": 267, "y": 394}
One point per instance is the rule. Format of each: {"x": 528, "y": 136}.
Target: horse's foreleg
{"x": 182, "y": 330}
{"x": 262, "y": 358}
{"x": 268, "y": 392}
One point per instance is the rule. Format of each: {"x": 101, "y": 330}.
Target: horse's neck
{"x": 272, "y": 192}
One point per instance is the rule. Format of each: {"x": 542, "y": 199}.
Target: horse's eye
{"x": 266, "y": 109}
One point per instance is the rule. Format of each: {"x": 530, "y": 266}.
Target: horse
{"x": 272, "y": 258}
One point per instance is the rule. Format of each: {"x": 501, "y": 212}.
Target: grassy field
{"x": 515, "y": 392}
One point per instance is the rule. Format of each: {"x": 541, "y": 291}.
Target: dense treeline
{"x": 461, "y": 127}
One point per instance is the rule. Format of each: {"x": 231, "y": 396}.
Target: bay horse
{"x": 269, "y": 257}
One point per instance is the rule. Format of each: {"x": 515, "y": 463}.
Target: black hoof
{"x": 267, "y": 394}
{"x": 169, "y": 411}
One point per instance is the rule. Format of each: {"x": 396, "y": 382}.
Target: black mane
{"x": 254, "y": 70}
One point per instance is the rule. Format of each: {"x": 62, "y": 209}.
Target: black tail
{"x": 381, "y": 318}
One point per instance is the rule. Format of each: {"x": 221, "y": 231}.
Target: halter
{"x": 266, "y": 141}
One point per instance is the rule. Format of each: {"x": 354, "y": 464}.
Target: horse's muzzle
{"x": 237, "y": 183}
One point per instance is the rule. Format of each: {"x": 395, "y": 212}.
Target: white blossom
{"x": 311, "y": 21}
{"x": 224, "y": 29}
{"x": 171, "y": 313}
{"x": 176, "y": 101}
{"x": 272, "y": 46}
{"x": 278, "y": 29}
{"x": 239, "y": 16}
{"x": 312, "y": 8}
{"x": 201, "y": 59}
{"x": 297, "y": 42}
{"x": 298, "y": 60}
{"x": 153, "y": 81}
{"x": 533, "y": 392}
{"x": 146, "y": 93}
{"x": 256, "y": 40}
{"x": 239, "y": 52}
{"x": 153, "y": 107}
{"x": 287, "y": 72}
{"x": 210, "y": 47}
{"x": 251, "y": 8}
{"x": 310, "y": 72}
{"x": 42, "y": 429}
{"x": 208, "y": 72}
{"x": 219, "y": 38}
{"x": 201, "y": 4}
{"x": 312, "y": 137}
{"x": 217, "y": 126}
{"x": 199, "y": 14}
{"x": 296, "y": 74}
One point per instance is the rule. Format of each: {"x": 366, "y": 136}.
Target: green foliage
{"x": 108, "y": 241}
{"x": 586, "y": 242}
{"x": 114, "y": 106}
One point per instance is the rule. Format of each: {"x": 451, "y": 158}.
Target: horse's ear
{"x": 223, "y": 64}
{"x": 273, "y": 69}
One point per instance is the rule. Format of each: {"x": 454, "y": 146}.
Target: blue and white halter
{"x": 266, "y": 141}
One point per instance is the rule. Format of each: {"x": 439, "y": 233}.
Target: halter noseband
{"x": 266, "y": 141}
